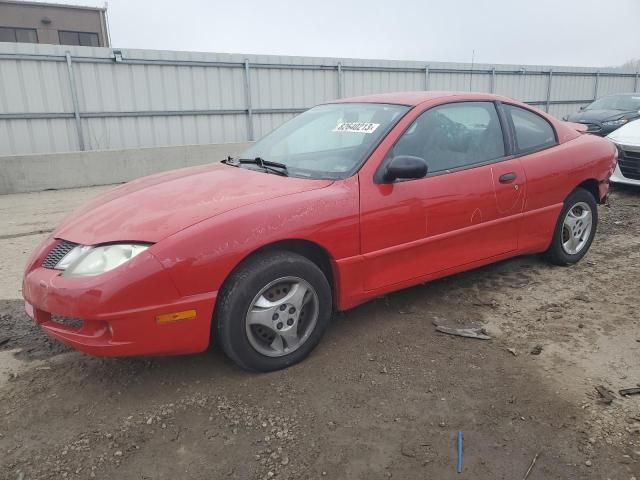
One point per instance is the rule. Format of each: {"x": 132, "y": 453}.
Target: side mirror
{"x": 405, "y": 166}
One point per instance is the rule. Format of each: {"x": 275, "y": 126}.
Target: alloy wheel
{"x": 576, "y": 228}
{"x": 282, "y": 316}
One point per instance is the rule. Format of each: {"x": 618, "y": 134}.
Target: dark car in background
{"x": 607, "y": 114}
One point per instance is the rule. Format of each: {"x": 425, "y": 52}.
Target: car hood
{"x": 628, "y": 134}
{"x": 596, "y": 116}
{"x": 155, "y": 207}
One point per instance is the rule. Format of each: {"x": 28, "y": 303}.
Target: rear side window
{"x": 532, "y": 131}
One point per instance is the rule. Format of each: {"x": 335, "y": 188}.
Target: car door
{"x": 548, "y": 176}
{"x": 461, "y": 212}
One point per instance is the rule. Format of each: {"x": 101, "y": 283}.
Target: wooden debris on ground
{"x": 533, "y": 462}
{"x": 462, "y": 331}
{"x": 630, "y": 391}
{"x": 607, "y": 396}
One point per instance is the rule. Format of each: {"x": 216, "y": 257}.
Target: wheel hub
{"x": 576, "y": 228}
{"x": 277, "y": 321}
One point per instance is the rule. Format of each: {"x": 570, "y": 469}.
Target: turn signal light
{"x": 175, "y": 317}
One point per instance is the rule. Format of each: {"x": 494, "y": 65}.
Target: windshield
{"x": 328, "y": 141}
{"x": 626, "y": 103}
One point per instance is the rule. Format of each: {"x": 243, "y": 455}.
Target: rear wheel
{"x": 273, "y": 311}
{"x": 575, "y": 229}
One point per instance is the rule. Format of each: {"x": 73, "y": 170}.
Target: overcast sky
{"x": 548, "y": 32}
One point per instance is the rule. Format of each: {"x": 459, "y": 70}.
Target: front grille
{"x": 57, "y": 253}
{"x": 629, "y": 163}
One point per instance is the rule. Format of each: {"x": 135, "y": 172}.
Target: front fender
{"x": 201, "y": 257}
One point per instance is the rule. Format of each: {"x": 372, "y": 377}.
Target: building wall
{"x": 75, "y": 19}
{"x": 147, "y": 98}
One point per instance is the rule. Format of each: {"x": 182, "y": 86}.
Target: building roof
{"x": 54, "y": 5}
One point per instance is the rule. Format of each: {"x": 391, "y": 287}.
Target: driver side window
{"x": 453, "y": 136}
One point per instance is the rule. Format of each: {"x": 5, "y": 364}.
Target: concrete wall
{"x": 32, "y": 173}
{"x": 66, "y": 18}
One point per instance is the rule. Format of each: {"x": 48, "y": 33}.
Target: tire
{"x": 573, "y": 219}
{"x": 250, "y": 323}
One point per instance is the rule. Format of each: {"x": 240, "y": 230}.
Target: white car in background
{"x": 627, "y": 139}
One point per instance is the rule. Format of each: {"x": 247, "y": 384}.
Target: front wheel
{"x": 575, "y": 229}
{"x": 273, "y": 311}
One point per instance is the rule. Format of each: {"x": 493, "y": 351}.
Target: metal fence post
{"x": 548, "y": 101}
{"x": 74, "y": 100}
{"x": 493, "y": 80}
{"x": 595, "y": 87}
{"x": 426, "y": 78}
{"x": 247, "y": 97}
{"x": 339, "y": 79}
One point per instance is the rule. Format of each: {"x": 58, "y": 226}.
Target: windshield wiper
{"x": 272, "y": 167}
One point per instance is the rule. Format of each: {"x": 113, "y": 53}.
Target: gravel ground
{"x": 383, "y": 396}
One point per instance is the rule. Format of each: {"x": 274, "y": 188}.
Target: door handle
{"x": 508, "y": 177}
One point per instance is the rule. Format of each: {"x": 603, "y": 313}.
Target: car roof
{"x": 564, "y": 130}
{"x": 416, "y": 98}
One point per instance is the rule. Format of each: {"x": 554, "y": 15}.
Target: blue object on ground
{"x": 459, "y": 452}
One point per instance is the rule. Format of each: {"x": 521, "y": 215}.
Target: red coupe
{"x": 347, "y": 201}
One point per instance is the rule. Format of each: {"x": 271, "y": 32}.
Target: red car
{"x": 347, "y": 201}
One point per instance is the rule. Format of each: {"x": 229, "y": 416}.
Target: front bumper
{"x": 604, "y": 130}
{"x": 618, "y": 177}
{"x": 118, "y": 311}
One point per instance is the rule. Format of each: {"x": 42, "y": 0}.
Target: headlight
{"x": 86, "y": 261}
{"x": 615, "y": 123}
{"x": 74, "y": 254}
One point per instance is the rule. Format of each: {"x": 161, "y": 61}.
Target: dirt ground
{"x": 383, "y": 396}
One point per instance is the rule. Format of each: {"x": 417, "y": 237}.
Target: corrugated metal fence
{"x": 59, "y": 99}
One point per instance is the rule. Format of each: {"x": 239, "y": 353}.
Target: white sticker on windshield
{"x": 356, "y": 127}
